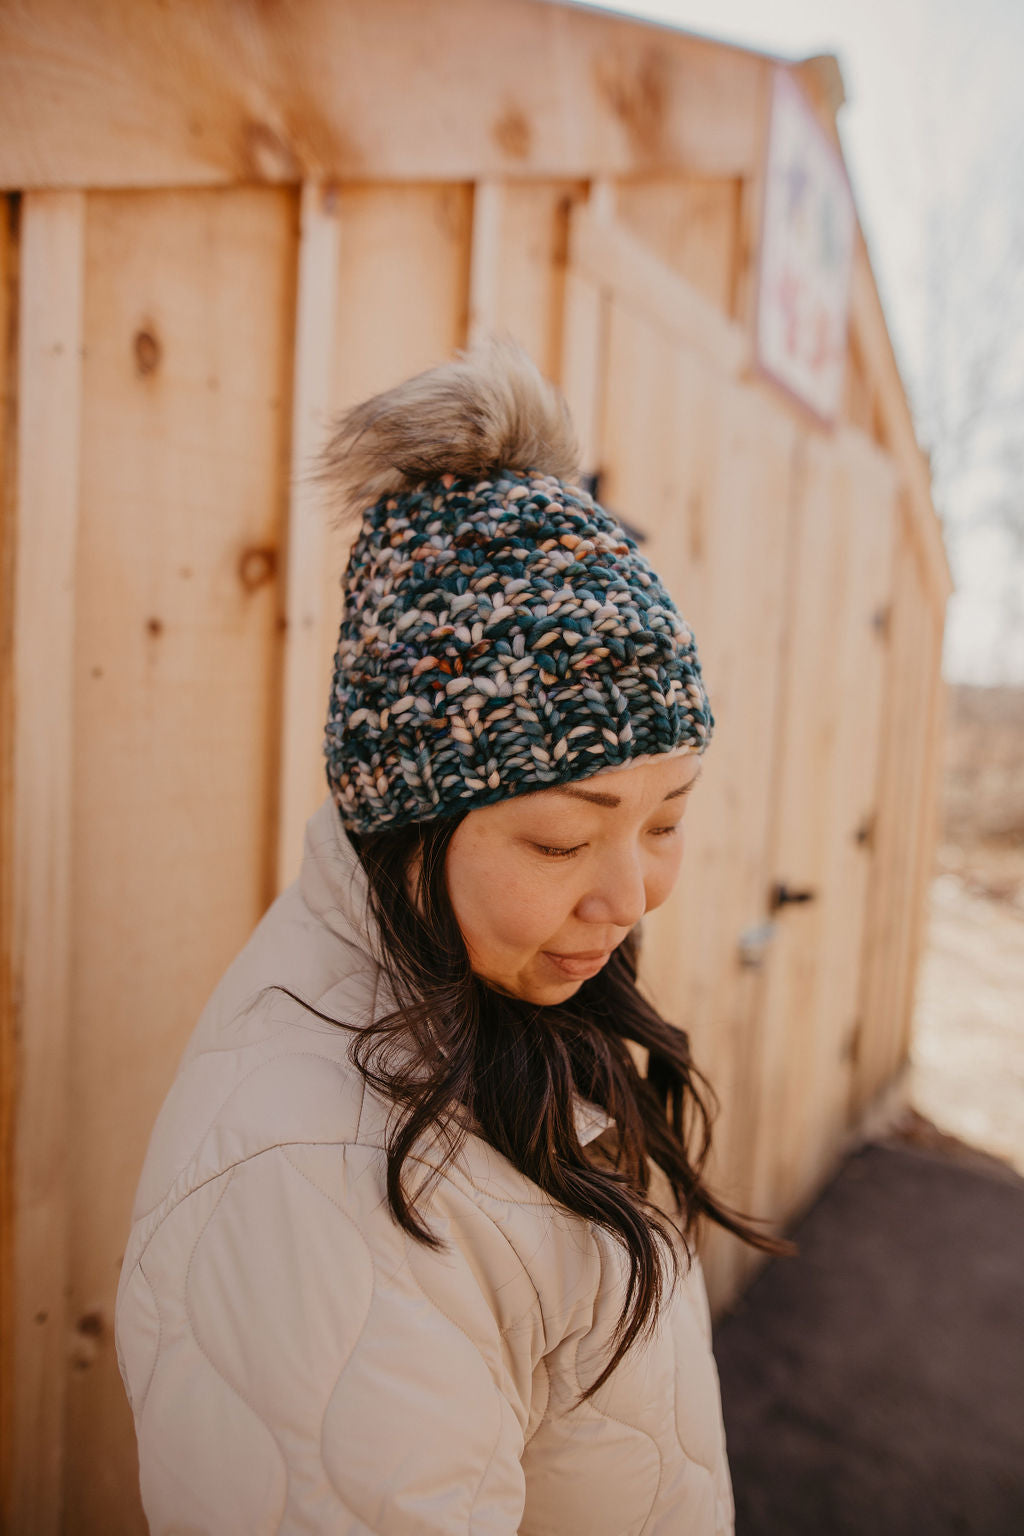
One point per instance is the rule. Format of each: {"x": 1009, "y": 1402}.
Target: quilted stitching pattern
{"x": 143, "y": 1346}
{"x": 209, "y": 1462}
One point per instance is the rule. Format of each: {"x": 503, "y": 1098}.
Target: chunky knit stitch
{"x": 500, "y": 634}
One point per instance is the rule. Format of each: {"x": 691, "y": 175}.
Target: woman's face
{"x": 546, "y": 885}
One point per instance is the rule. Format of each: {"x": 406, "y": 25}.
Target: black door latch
{"x": 781, "y": 895}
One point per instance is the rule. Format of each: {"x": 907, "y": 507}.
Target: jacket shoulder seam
{"x": 340, "y": 1142}
{"x": 253, "y": 1071}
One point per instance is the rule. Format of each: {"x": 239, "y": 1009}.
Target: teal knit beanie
{"x": 501, "y": 632}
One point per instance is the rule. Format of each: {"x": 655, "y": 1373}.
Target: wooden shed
{"x": 220, "y": 224}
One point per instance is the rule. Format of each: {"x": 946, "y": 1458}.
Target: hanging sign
{"x": 806, "y": 261}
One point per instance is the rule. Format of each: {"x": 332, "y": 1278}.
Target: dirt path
{"x": 874, "y": 1385}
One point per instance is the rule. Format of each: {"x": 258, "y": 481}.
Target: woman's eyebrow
{"x": 596, "y": 797}
{"x": 593, "y": 795}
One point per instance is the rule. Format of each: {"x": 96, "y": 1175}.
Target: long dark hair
{"x": 456, "y": 1053}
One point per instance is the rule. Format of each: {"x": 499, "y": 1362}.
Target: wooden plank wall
{"x": 205, "y": 337}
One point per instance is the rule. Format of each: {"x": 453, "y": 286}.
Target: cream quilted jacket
{"x": 295, "y": 1363}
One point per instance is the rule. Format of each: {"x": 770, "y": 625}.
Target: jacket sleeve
{"x": 296, "y": 1363}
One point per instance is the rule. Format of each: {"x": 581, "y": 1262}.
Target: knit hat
{"x": 501, "y": 632}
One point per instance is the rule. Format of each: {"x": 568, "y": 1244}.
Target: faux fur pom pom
{"x": 489, "y": 409}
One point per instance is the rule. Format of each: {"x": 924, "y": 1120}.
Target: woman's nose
{"x": 618, "y": 896}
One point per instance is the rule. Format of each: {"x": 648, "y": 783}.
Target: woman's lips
{"x": 579, "y": 966}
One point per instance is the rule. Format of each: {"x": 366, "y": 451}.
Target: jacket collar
{"x": 333, "y": 882}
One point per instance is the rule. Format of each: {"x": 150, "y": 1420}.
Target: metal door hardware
{"x": 782, "y": 895}
{"x": 753, "y": 942}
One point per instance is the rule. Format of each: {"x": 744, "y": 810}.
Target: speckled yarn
{"x": 499, "y": 636}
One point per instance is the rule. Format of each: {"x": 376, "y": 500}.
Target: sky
{"x": 933, "y": 135}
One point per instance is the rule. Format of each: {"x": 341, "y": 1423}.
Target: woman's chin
{"x": 551, "y": 993}
{"x": 544, "y": 991}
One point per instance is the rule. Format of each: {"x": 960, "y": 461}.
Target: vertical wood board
{"x": 403, "y": 293}
{"x": 864, "y": 497}
{"x": 930, "y": 808}
{"x": 904, "y": 833}
{"x": 484, "y": 253}
{"x": 186, "y": 408}
{"x": 8, "y": 1045}
{"x": 583, "y": 373}
{"x": 882, "y": 934}
{"x": 531, "y": 269}
{"x": 45, "y": 532}
{"x": 914, "y": 663}
{"x": 886, "y": 928}
{"x": 921, "y": 714}
{"x": 308, "y": 545}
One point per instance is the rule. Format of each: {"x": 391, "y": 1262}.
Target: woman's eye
{"x": 558, "y": 853}
{"x": 665, "y": 831}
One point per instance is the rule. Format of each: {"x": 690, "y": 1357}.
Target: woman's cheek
{"x": 504, "y": 912}
{"x": 665, "y": 873}
{"x": 527, "y": 906}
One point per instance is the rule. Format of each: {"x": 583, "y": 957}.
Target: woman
{"x": 412, "y": 1247}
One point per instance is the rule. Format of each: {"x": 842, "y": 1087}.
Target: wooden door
{"x": 840, "y": 556}
{"x": 774, "y": 538}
